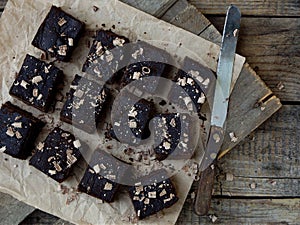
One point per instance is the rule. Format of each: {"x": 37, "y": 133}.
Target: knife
{"x": 219, "y": 109}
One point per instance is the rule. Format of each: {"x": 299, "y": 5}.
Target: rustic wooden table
{"x": 258, "y": 182}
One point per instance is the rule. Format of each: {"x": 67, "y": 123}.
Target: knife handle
{"x": 204, "y": 191}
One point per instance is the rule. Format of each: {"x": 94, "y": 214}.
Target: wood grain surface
{"x": 271, "y": 46}
{"x": 258, "y": 181}
{"x": 272, "y": 8}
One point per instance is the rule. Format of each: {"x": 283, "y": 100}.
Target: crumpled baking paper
{"x": 18, "y": 25}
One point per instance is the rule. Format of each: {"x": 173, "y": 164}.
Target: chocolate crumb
{"x": 95, "y": 8}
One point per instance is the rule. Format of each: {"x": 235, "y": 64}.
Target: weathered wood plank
{"x": 252, "y": 7}
{"x": 245, "y": 211}
{"x": 271, "y": 47}
{"x": 243, "y": 117}
{"x": 180, "y": 15}
{"x": 211, "y": 34}
{"x": 39, "y": 217}
{"x": 272, "y": 151}
{"x": 155, "y": 8}
{"x": 12, "y": 211}
{"x": 246, "y": 108}
{"x": 257, "y": 187}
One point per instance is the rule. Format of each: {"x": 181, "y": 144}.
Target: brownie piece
{"x": 130, "y": 118}
{"x": 174, "y": 136}
{"x": 57, "y": 154}
{"x": 84, "y": 105}
{"x": 59, "y": 34}
{"x": 203, "y": 76}
{"x": 192, "y": 88}
{"x": 152, "y": 194}
{"x": 145, "y": 60}
{"x": 103, "y": 176}
{"x": 36, "y": 83}
{"x": 18, "y": 131}
{"x": 106, "y": 55}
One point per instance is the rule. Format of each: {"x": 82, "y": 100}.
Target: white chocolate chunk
{"x": 118, "y": 41}
{"x": 40, "y": 146}
{"x": 10, "y": 132}
{"x": 17, "y": 124}
{"x": 70, "y": 41}
{"x": 3, "y": 149}
{"x": 136, "y": 75}
{"x": 24, "y": 84}
{"x": 96, "y": 168}
{"x": 61, "y": 22}
{"x": 36, "y": 79}
{"x": 77, "y": 144}
{"x": 107, "y": 186}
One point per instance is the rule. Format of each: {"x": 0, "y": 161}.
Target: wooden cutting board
{"x": 251, "y": 102}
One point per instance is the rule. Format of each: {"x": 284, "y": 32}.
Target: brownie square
{"x": 56, "y": 155}
{"x": 130, "y": 118}
{"x": 152, "y": 194}
{"x": 145, "y": 60}
{"x": 59, "y": 34}
{"x": 174, "y": 136}
{"x": 103, "y": 176}
{"x": 192, "y": 88}
{"x": 106, "y": 55}
{"x": 18, "y": 131}
{"x": 84, "y": 105}
{"x": 36, "y": 83}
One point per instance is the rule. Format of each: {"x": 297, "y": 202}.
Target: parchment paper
{"x": 18, "y": 25}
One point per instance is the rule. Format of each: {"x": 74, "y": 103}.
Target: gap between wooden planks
{"x": 271, "y": 46}
{"x": 205, "y": 30}
{"x": 287, "y": 8}
{"x": 251, "y": 102}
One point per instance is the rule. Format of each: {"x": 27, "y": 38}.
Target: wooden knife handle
{"x": 204, "y": 191}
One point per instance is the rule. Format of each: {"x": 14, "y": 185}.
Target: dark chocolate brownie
{"x": 152, "y": 194}
{"x": 105, "y": 55}
{"x": 37, "y": 83}
{"x": 131, "y": 118}
{"x": 84, "y": 105}
{"x": 174, "y": 136}
{"x": 18, "y": 131}
{"x": 103, "y": 175}
{"x": 59, "y": 34}
{"x": 203, "y": 76}
{"x": 192, "y": 88}
{"x": 57, "y": 154}
{"x": 145, "y": 60}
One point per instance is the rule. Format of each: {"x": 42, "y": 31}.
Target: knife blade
{"x": 219, "y": 108}
{"x": 223, "y": 83}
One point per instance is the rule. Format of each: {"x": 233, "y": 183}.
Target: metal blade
{"x": 225, "y": 66}
{"x": 223, "y": 83}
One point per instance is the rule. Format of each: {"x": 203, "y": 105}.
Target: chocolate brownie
{"x": 152, "y": 193}
{"x": 131, "y": 118}
{"x": 174, "y": 136}
{"x": 59, "y": 34}
{"x": 192, "y": 89}
{"x": 103, "y": 175}
{"x": 36, "y": 83}
{"x": 84, "y": 105}
{"x": 57, "y": 154}
{"x": 145, "y": 60}
{"x": 18, "y": 131}
{"x": 106, "y": 55}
